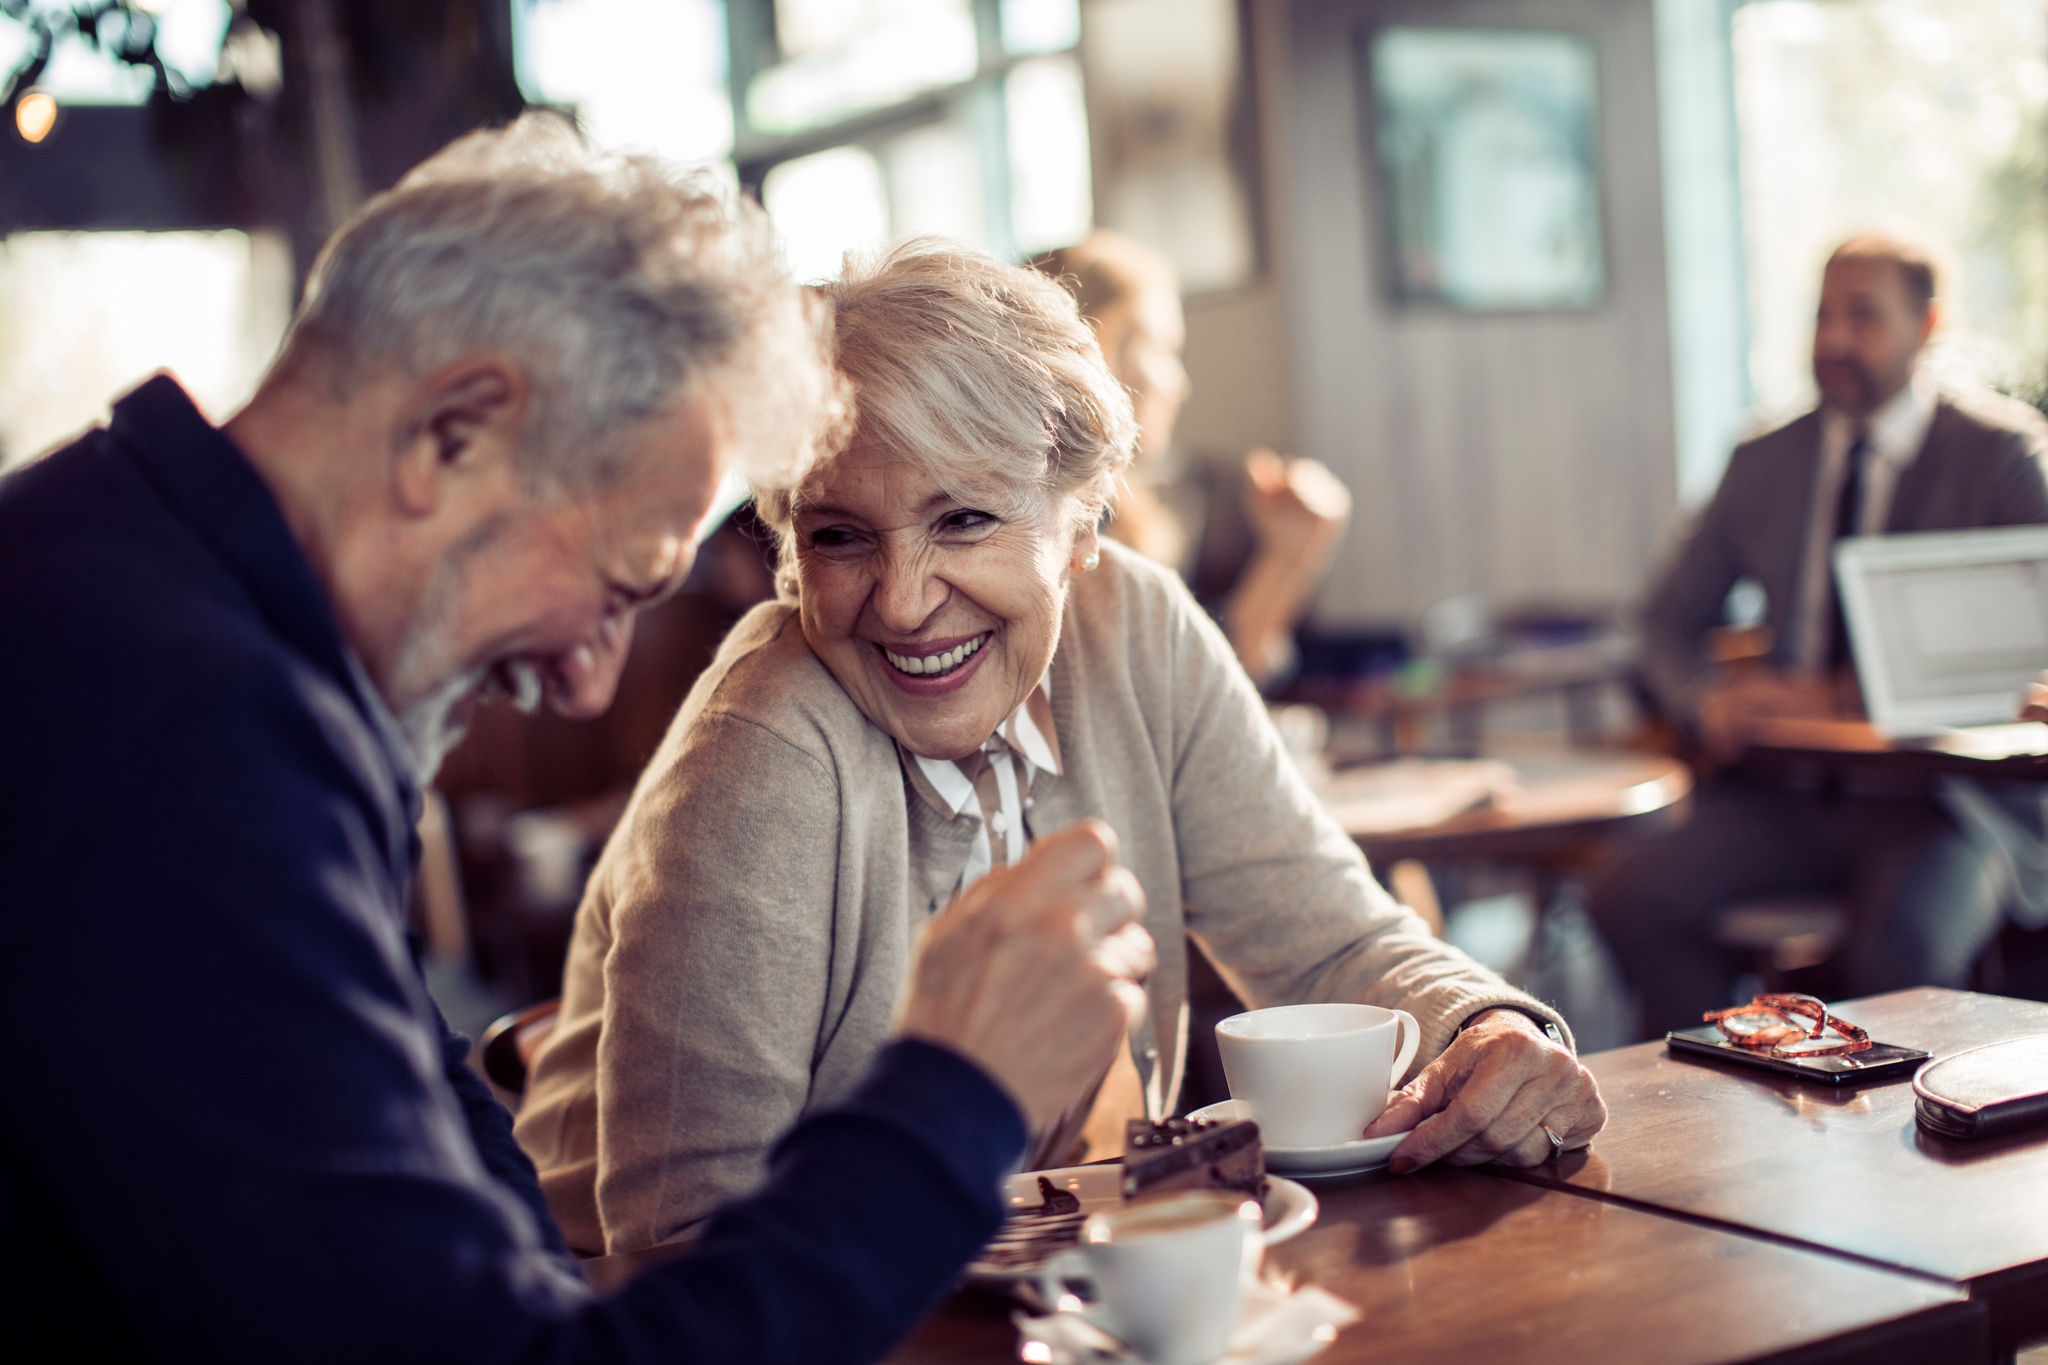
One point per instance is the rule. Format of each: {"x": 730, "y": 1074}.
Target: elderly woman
{"x": 957, "y": 666}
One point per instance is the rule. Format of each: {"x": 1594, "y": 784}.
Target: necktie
{"x": 1848, "y": 522}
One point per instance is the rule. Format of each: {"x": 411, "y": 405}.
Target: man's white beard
{"x": 429, "y": 724}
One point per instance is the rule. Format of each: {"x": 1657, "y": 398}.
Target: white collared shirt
{"x": 1896, "y": 432}
{"x": 993, "y": 783}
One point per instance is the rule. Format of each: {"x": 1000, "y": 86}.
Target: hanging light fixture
{"x": 35, "y": 114}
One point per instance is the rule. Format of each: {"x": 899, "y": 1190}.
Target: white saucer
{"x": 1289, "y": 1209}
{"x": 1342, "y": 1158}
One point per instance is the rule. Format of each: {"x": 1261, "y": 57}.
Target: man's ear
{"x": 466, "y": 418}
{"x": 1930, "y": 323}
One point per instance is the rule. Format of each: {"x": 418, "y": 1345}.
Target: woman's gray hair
{"x": 983, "y": 374}
{"x": 617, "y": 282}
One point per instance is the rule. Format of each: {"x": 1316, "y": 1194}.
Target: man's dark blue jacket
{"x": 235, "y": 1127}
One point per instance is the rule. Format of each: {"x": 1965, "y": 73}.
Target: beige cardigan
{"x": 739, "y": 954}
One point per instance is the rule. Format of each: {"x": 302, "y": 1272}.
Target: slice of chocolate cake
{"x": 1193, "y": 1154}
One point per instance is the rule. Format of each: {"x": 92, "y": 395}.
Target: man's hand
{"x": 1489, "y": 1097}
{"x": 1731, "y": 714}
{"x": 1033, "y": 973}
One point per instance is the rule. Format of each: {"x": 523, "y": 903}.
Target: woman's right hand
{"x": 1035, "y": 973}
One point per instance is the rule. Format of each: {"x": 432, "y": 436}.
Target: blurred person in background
{"x": 237, "y": 1127}
{"x": 1925, "y": 874}
{"x": 1252, "y": 538}
{"x": 959, "y": 665}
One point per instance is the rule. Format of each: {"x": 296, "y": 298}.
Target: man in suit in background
{"x": 1925, "y": 873}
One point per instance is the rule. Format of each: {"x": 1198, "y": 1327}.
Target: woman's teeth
{"x": 925, "y": 665}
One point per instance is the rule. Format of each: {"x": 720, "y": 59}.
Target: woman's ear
{"x": 1087, "y": 552}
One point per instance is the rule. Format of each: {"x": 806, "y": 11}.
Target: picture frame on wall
{"x": 1488, "y": 165}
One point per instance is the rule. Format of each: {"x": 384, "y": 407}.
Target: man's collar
{"x": 209, "y": 482}
{"x": 1898, "y": 428}
{"x": 403, "y": 755}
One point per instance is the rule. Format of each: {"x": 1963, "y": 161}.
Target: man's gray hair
{"x": 617, "y": 282}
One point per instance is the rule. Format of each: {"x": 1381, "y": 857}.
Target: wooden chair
{"x": 437, "y": 889}
{"x": 508, "y": 1045}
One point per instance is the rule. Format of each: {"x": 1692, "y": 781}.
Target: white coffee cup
{"x": 1315, "y": 1075}
{"x": 1166, "y": 1274}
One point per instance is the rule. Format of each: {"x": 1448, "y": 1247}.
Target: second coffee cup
{"x": 1168, "y": 1273}
{"x": 1315, "y": 1075}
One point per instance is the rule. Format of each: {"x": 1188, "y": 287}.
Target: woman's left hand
{"x": 1490, "y": 1096}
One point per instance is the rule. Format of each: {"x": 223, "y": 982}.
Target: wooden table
{"x": 1844, "y": 1170}
{"x": 1851, "y": 746}
{"x": 1398, "y": 706}
{"x": 1450, "y": 1266}
{"x": 1565, "y": 800}
{"x": 1723, "y": 1215}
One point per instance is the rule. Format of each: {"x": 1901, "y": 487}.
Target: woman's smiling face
{"x": 936, "y": 612}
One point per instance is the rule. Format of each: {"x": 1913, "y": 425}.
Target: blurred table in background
{"x": 1538, "y": 803}
{"x": 2015, "y": 752}
{"x": 1400, "y": 705}
{"x": 1532, "y": 820}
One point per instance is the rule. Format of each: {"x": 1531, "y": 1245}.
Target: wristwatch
{"x": 1549, "y": 1026}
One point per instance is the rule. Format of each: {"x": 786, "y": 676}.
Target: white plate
{"x": 1343, "y": 1158}
{"x": 1289, "y": 1209}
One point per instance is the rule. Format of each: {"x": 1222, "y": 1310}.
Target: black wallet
{"x": 1986, "y": 1091}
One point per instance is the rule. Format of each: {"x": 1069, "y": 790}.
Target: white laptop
{"x": 1948, "y": 627}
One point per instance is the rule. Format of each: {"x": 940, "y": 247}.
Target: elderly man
{"x": 236, "y": 1126}
{"x": 1925, "y": 874}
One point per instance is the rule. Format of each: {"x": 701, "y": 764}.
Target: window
{"x": 86, "y": 315}
{"x": 1927, "y": 117}
{"x": 79, "y": 66}
{"x": 869, "y": 120}
{"x": 1173, "y": 136}
{"x": 643, "y": 74}
{"x": 857, "y": 121}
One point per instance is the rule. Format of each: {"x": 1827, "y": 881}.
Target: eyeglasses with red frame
{"x": 1788, "y": 1026}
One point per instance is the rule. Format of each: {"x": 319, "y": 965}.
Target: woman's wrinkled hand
{"x": 1490, "y": 1096}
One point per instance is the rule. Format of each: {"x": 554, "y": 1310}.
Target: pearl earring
{"x": 1090, "y": 560}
